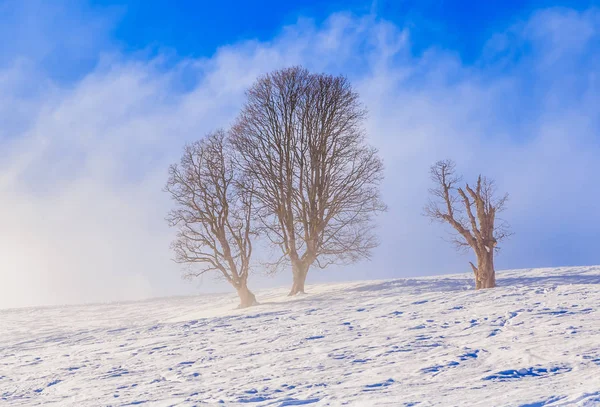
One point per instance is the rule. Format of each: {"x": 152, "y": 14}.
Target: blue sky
{"x": 194, "y": 28}
{"x": 97, "y": 98}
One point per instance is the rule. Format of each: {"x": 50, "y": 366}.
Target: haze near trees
{"x": 212, "y": 214}
{"x": 472, "y": 214}
{"x": 300, "y": 138}
{"x": 295, "y": 170}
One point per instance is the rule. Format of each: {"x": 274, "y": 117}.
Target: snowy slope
{"x": 429, "y": 341}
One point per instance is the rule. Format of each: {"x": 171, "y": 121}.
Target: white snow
{"x": 534, "y": 341}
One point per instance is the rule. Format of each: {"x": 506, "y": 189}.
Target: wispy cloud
{"x": 83, "y": 160}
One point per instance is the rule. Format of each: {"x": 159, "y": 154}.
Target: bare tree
{"x": 300, "y": 138}
{"x": 212, "y": 214}
{"x": 472, "y": 214}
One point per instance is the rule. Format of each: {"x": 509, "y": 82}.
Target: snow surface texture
{"x": 535, "y": 341}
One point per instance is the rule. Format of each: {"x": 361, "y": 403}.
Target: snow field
{"x": 534, "y": 341}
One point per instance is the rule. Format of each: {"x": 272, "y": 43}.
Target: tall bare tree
{"x": 212, "y": 214}
{"x": 472, "y": 214}
{"x": 300, "y": 138}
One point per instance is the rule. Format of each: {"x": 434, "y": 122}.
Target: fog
{"x": 88, "y": 131}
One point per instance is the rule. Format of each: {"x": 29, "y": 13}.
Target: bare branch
{"x": 300, "y": 139}
{"x": 472, "y": 215}
{"x": 212, "y": 213}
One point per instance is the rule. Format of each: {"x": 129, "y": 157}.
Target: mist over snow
{"x": 89, "y": 128}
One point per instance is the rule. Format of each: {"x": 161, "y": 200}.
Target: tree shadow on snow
{"x": 420, "y": 285}
{"x": 465, "y": 284}
{"x": 548, "y": 280}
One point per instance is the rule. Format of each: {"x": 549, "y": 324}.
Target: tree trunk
{"x": 247, "y": 298}
{"x": 485, "y": 275}
{"x": 299, "y": 272}
{"x": 489, "y": 280}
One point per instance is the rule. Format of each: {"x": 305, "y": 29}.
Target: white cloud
{"x": 82, "y": 164}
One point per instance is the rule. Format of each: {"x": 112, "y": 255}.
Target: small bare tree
{"x": 472, "y": 214}
{"x": 300, "y": 138}
{"x": 212, "y": 214}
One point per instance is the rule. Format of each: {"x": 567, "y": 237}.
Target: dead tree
{"x": 472, "y": 214}
{"x": 212, "y": 214}
{"x": 300, "y": 139}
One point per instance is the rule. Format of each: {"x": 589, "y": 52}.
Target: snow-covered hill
{"x": 535, "y": 341}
